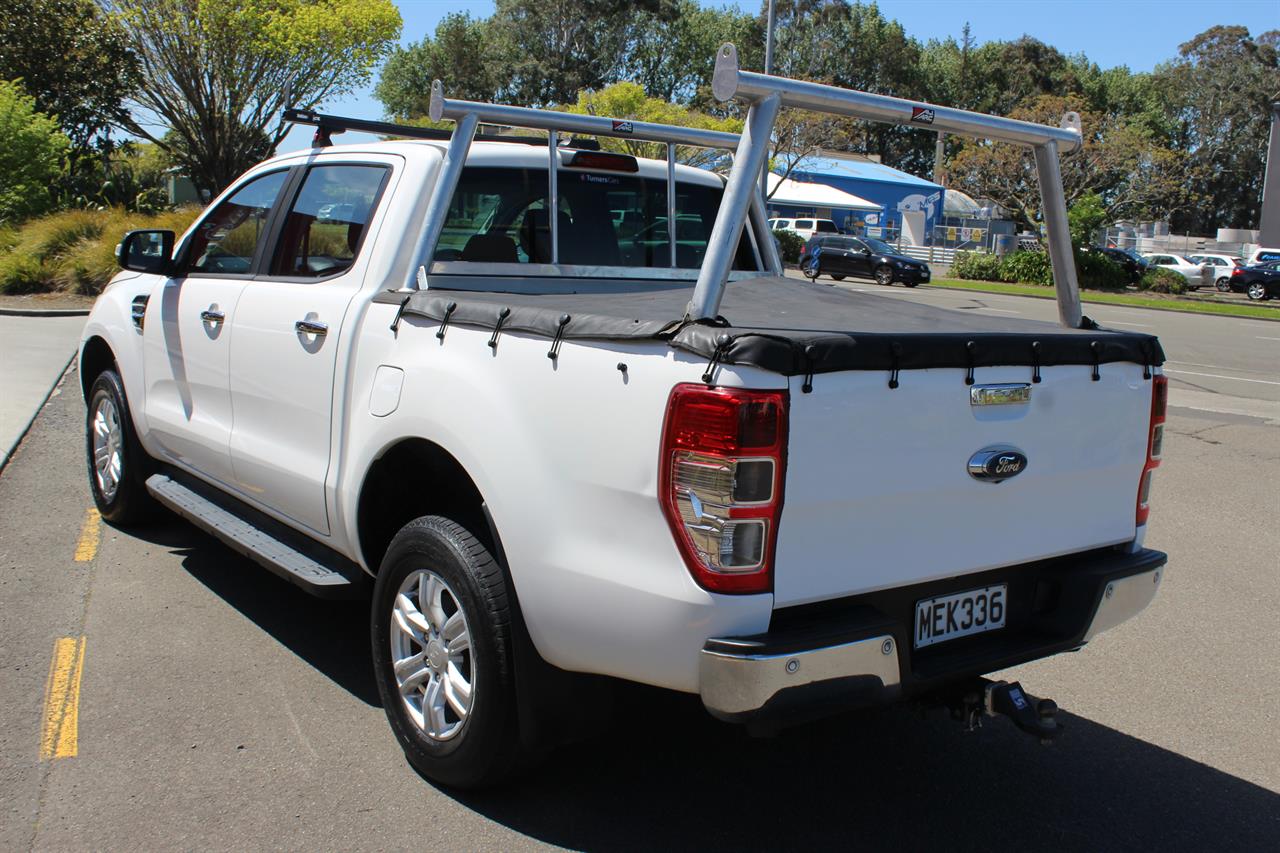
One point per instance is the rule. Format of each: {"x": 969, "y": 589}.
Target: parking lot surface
{"x": 217, "y": 706}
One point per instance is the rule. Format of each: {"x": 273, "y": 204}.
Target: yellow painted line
{"x": 61, "y": 735}
{"x": 90, "y": 533}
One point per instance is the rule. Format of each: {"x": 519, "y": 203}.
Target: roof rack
{"x": 766, "y": 94}
{"x": 327, "y": 125}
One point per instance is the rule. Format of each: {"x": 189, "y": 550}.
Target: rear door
{"x": 288, "y": 332}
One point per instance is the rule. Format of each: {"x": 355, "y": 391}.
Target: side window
{"x": 226, "y": 239}
{"x": 327, "y": 220}
{"x": 805, "y": 224}
{"x": 827, "y": 226}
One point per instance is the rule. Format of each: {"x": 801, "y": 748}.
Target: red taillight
{"x": 1237, "y": 271}
{"x": 603, "y": 160}
{"x": 1155, "y": 444}
{"x": 721, "y": 474}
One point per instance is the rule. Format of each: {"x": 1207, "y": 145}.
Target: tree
{"x": 628, "y": 100}
{"x": 216, "y": 74}
{"x": 461, "y": 55}
{"x": 672, "y": 51}
{"x": 32, "y": 152}
{"x": 1085, "y": 217}
{"x": 552, "y": 49}
{"x": 73, "y": 60}
{"x": 1131, "y": 172}
{"x": 1219, "y": 93}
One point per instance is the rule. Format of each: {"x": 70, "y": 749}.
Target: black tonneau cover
{"x": 791, "y": 327}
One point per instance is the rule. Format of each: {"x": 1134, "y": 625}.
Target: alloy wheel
{"x": 431, "y": 655}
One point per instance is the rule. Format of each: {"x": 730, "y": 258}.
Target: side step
{"x": 264, "y": 540}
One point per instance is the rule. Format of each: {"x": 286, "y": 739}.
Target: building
{"x": 795, "y": 199}
{"x": 910, "y": 206}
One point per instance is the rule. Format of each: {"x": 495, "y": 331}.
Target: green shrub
{"x": 976, "y": 266}
{"x": 1157, "y": 280}
{"x": 1098, "y": 272}
{"x": 74, "y": 251}
{"x": 32, "y": 155}
{"x": 1027, "y": 267}
{"x": 789, "y": 245}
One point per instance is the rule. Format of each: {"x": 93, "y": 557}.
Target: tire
{"x": 1223, "y": 285}
{"x": 811, "y": 271}
{"x": 118, "y": 467}
{"x": 884, "y": 274}
{"x": 1257, "y": 291}
{"x": 461, "y": 738}
{"x": 909, "y": 283}
{"x": 837, "y": 277}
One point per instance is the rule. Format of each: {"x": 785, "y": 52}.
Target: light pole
{"x": 770, "y": 21}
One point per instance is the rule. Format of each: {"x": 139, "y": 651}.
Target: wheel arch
{"x": 411, "y": 478}
{"x": 95, "y": 356}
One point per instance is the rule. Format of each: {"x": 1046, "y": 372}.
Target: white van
{"x": 806, "y": 228}
{"x": 1261, "y": 256}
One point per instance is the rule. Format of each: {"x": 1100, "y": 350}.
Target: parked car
{"x": 1130, "y": 261}
{"x": 806, "y": 228}
{"x": 555, "y": 471}
{"x": 1222, "y": 265}
{"x": 1259, "y": 282}
{"x": 864, "y": 257}
{"x": 1197, "y": 275}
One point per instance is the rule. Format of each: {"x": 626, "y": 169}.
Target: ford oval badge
{"x": 997, "y": 464}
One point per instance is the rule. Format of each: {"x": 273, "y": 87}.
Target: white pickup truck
{"x": 614, "y": 440}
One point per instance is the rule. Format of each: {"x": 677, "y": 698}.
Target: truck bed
{"x": 785, "y": 325}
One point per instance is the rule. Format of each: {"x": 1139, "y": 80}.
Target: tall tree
{"x": 1219, "y": 92}
{"x": 460, "y": 55}
{"x": 1130, "y": 172}
{"x": 553, "y": 49}
{"x": 672, "y": 50}
{"x": 216, "y": 74}
{"x": 73, "y": 60}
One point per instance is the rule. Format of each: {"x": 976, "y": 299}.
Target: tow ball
{"x": 1036, "y": 717}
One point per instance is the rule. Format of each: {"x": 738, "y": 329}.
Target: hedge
{"x": 1096, "y": 272}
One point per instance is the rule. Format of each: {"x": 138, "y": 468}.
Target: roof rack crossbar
{"x": 766, "y": 93}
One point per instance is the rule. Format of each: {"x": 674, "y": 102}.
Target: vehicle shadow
{"x": 664, "y": 775}
{"x": 670, "y": 778}
{"x": 331, "y": 636}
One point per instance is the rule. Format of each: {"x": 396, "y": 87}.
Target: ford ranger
{"x": 559, "y": 414}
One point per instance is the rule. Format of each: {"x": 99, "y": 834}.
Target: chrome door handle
{"x": 311, "y": 327}
{"x": 212, "y": 317}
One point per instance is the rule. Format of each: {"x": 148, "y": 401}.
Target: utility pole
{"x": 1269, "y": 226}
{"x": 768, "y": 69}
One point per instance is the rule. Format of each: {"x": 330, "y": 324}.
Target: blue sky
{"x": 1136, "y": 33}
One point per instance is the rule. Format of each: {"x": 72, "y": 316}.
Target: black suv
{"x": 839, "y": 256}
{"x": 1133, "y": 264}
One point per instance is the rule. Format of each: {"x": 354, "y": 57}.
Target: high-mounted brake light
{"x": 603, "y": 160}
{"x": 721, "y": 474}
{"x": 1155, "y": 444}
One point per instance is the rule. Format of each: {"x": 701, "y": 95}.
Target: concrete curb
{"x": 44, "y": 312}
{"x": 7, "y": 453}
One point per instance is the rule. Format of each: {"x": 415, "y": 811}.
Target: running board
{"x": 264, "y": 540}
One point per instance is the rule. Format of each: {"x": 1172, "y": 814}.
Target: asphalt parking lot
{"x": 219, "y": 707}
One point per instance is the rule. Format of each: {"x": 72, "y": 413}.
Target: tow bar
{"x": 1037, "y": 717}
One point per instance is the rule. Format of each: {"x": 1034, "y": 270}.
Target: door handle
{"x": 212, "y": 317}
{"x": 311, "y": 327}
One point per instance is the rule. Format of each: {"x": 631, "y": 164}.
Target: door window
{"x": 227, "y": 239}
{"x": 805, "y": 224}
{"x": 826, "y": 226}
{"x": 327, "y": 221}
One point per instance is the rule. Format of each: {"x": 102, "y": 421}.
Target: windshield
{"x": 879, "y": 246}
{"x": 499, "y": 215}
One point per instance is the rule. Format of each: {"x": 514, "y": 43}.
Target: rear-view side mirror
{"x": 146, "y": 251}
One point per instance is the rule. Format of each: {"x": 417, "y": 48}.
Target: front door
{"x": 286, "y": 335}
{"x": 186, "y": 344}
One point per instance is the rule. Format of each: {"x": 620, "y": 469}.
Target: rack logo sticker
{"x": 626, "y": 126}
{"x": 924, "y": 115}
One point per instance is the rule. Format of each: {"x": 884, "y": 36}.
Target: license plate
{"x": 961, "y": 614}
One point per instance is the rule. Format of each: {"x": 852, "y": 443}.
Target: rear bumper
{"x": 821, "y": 659}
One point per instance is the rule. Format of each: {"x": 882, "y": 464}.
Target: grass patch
{"x": 1188, "y": 304}
{"x": 73, "y": 251}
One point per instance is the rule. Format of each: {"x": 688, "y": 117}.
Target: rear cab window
{"x": 604, "y": 219}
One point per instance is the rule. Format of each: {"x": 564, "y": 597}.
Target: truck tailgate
{"x": 878, "y": 492}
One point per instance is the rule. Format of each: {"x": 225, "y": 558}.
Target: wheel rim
{"x": 1256, "y": 291}
{"x": 1223, "y": 285}
{"x": 431, "y": 655}
{"x": 884, "y": 276}
{"x": 108, "y": 438}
